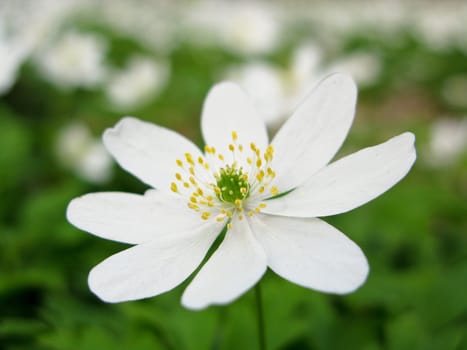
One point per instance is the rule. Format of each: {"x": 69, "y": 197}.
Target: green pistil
{"x": 232, "y": 185}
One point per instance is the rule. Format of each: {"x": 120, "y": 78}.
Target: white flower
{"x": 235, "y": 183}
{"x": 12, "y": 54}
{"x": 76, "y": 60}
{"x": 448, "y": 140}
{"x": 264, "y": 83}
{"x": 248, "y": 28}
{"x": 80, "y": 152}
{"x": 142, "y": 79}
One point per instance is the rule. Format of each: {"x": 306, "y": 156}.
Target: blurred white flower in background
{"x": 152, "y": 23}
{"x": 363, "y": 66}
{"x": 442, "y": 26}
{"x": 248, "y": 28}
{"x": 83, "y": 154}
{"x": 12, "y": 55}
{"x": 278, "y": 90}
{"x": 142, "y": 79}
{"x": 264, "y": 83}
{"x": 76, "y": 59}
{"x": 448, "y": 141}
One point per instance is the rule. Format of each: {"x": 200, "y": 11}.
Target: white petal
{"x": 349, "y": 182}
{"x": 227, "y": 108}
{"x": 148, "y": 151}
{"x": 235, "y": 267}
{"x": 311, "y": 253}
{"x": 131, "y": 218}
{"x": 151, "y": 268}
{"x": 314, "y": 133}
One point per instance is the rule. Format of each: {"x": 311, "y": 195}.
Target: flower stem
{"x": 260, "y": 317}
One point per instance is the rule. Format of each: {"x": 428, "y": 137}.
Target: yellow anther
{"x": 245, "y": 177}
{"x": 192, "y": 180}
{"x": 191, "y": 170}
{"x": 205, "y": 215}
{"x": 231, "y": 148}
{"x": 193, "y": 199}
{"x": 179, "y": 163}
{"x": 189, "y": 158}
{"x": 240, "y": 148}
{"x": 228, "y": 213}
{"x": 173, "y": 187}
{"x": 223, "y": 211}
{"x": 200, "y": 160}
{"x": 238, "y": 203}
{"x": 259, "y": 177}
{"x": 220, "y": 218}
{"x": 262, "y": 205}
{"x": 240, "y": 217}
{"x": 220, "y": 156}
{"x": 249, "y": 160}
{"x": 253, "y": 146}
{"x": 257, "y": 209}
{"x": 259, "y": 162}
{"x": 243, "y": 190}
{"x": 200, "y": 191}
{"x": 178, "y": 176}
{"x": 261, "y": 189}
{"x": 213, "y": 150}
{"x": 206, "y": 166}
{"x": 217, "y": 190}
{"x": 250, "y": 213}
{"x": 229, "y": 226}
{"x": 207, "y": 149}
{"x": 234, "y": 135}
{"x": 210, "y": 204}
{"x": 193, "y": 206}
{"x": 274, "y": 190}
{"x": 186, "y": 184}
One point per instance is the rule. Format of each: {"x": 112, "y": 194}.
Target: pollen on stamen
{"x": 178, "y": 177}
{"x": 274, "y": 190}
{"x": 173, "y": 187}
{"x": 234, "y": 136}
{"x": 205, "y": 215}
{"x": 193, "y": 206}
{"x": 179, "y": 163}
{"x": 229, "y": 225}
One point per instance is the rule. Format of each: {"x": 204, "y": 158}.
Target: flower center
{"x": 227, "y": 189}
{"x": 232, "y": 185}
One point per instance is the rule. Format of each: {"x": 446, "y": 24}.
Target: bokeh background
{"x": 70, "y": 69}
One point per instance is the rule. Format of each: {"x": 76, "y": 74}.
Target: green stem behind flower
{"x": 260, "y": 317}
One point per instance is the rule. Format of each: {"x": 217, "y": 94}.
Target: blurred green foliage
{"x": 414, "y": 236}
